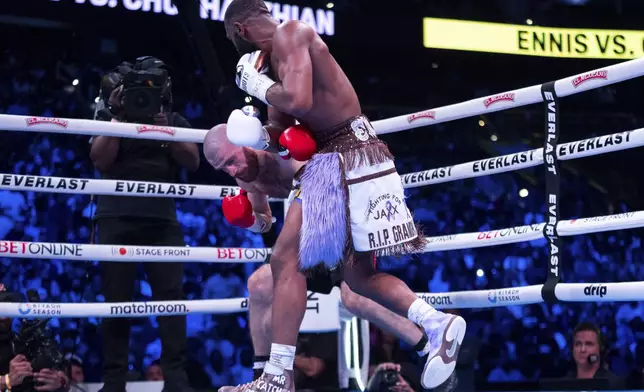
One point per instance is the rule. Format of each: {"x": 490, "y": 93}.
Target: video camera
{"x": 147, "y": 88}
{"x": 33, "y": 341}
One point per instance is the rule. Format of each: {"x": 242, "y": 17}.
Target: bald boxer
{"x": 266, "y": 175}
{"x": 350, "y": 201}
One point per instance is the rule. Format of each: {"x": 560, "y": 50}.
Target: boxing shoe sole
{"x": 440, "y": 367}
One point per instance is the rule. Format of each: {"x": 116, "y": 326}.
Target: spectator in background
{"x": 154, "y": 372}
{"x": 391, "y": 367}
{"x": 316, "y": 361}
{"x": 141, "y": 221}
{"x": 76, "y": 372}
{"x": 588, "y": 353}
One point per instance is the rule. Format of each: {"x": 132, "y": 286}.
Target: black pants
{"x": 166, "y": 280}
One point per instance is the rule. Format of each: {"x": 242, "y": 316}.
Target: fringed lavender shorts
{"x": 352, "y": 199}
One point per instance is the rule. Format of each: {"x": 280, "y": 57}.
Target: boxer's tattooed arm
{"x": 294, "y": 94}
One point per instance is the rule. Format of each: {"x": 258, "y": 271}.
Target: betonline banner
{"x": 323, "y": 21}
{"x": 532, "y": 40}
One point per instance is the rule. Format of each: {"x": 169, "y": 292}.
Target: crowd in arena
{"x": 510, "y": 339}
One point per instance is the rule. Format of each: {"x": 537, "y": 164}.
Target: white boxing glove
{"x": 250, "y": 76}
{"x": 245, "y": 130}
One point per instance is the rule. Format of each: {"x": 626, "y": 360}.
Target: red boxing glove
{"x": 297, "y": 142}
{"x": 238, "y": 211}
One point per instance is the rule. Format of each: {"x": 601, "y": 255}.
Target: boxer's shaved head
{"x": 236, "y": 21}
{"x": 238, "y": 162}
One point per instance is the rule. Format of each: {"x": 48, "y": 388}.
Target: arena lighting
{"x": 75, "y": 82}
{"x": 494, "y": 138}
{"x": 480, "y": 273}
{"x": 523, "y": 193}
{"x": 323, "y": 21}
{"x": 528, "y": 21}
{"x": 481, "y": 123}
{"x": 330, "y": 5}
{"x": 532, "y": 40}
{"x": 248, "y": 99}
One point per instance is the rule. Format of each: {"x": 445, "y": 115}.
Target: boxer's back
{"x": 334, "y": 99}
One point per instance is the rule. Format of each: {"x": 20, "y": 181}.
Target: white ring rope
{"x": 131, "y": 253}
{"x": 524, "y": 159}
{"x": 493, "y": 103}
{"x": 500, "y": 164}
{"x": 91, "y": 186}
{"x": 156, "y": 254}
{"x": 526, "y": 295}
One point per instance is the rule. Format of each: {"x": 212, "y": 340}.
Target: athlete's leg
{"x": 260, "y": 299}
{"x": 445, "y": 332}
{"x": 385, "y": 319}
{"x": 387, "y": 290}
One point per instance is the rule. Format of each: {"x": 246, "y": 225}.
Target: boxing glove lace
{"x": 244, "y": 129}
{"x": 297, "y": 142}
{"x": 238, "y": 211}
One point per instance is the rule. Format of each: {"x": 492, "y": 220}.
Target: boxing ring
{"x": 323, "y": 312}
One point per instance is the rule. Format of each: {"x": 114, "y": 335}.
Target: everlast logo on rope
{"x": 594, "y": 143}
{"x": 595, "y": 291}
{"x": 154, "y": 189}
{"x": 549, "y": 159}
{"x": 601, "y": 74}
{"x": 228, "y": 191}
{"x": 550, "y": 232}
{"x": 498, "y": 98}
{"x": 71, "y": 184}
{"x": 426, "y": 114}
{"x": 502, "y": 161}
{"x": 427, "y": 175}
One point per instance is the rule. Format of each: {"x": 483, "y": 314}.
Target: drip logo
{"x": 595, "y": 290}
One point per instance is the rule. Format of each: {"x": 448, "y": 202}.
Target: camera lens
{"x": 141, "y": 99}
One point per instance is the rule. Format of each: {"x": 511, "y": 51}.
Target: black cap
{"x": 150, "y": 62}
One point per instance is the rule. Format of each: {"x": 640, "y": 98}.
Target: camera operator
{"x": 29, "y": 361}
{"x": 141, "y": 93}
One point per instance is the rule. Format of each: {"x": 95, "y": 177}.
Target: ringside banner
{"x": 323, "y": 21}
{"x": 532, "y": 40}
